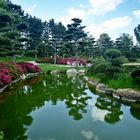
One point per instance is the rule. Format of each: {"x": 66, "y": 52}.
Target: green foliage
{"x": 104, "y": 43}
{"x": 112, "y": 53}
{"x": 117, "y": 62}
{"x": 102, "y": 68}
{"x": 124, "y": 43}
{"x": 1, "y": 135}
{"x": 137, "y": 33}
{"x": 96, "y": 61}
{"x": 135, "y": 74}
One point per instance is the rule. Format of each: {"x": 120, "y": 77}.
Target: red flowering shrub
{"x": 70, "y": 61}
{"x": 4, "y": 79}
{"x": 11, "y": 71}
{"x": 29, "y": 67}
{"x": 45, "y": 60}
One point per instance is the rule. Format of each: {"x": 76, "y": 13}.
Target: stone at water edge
{"x": 71, "y": 71}
{"x": 128, "y": 94}
{"x": 82, "y": 72}
{"x": 54, "y": 72}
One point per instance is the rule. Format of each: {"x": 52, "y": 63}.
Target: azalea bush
{"x": 70, "y": 61}
{"x": 29, "y": 67}
{"x": 11, "y": 71}
{"x": 45, "y": 60}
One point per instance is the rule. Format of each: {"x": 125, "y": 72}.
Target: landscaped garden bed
{"x": 13, "y": 72}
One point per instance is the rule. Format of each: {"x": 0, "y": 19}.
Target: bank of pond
{"x": 56, "y": 107}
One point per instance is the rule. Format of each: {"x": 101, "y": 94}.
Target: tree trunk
{"x": 76, "y": 54}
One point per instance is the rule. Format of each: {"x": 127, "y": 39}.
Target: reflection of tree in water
{"x": 113, "y": 107}
{"x": 135, "y": 111}
{"x": 32, "y": 94}
{"x": 77, "y": 99}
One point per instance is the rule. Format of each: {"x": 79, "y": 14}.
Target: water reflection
{"x": 112, "y": 109}
{"x": 28, "y": 96}
{"x": 89, "y": 135}
{"x": 32, "y": 94}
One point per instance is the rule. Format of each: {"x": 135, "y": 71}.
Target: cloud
{"x": 116, "y": 23}
{"x": 89, "y": 135}
{"x": 73, "y": 13}
{"x": 31, "y": 9}
{"x": 136, "y": 13}
{"x": 101, "y": 7}
{"x": 108, "y": 26}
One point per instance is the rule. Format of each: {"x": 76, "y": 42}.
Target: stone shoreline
{"x": 128, "y": 95}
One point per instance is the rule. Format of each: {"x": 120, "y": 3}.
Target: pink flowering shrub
{"x": 11, "y": 71}
{"x": 4, "y": 79}
{"x": 29, "y": 67}
{"x": 70, "y": 61}
{"x": 45, "y": 60}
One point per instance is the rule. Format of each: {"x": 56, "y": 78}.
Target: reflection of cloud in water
{"x": 98, "y": 115}
{"x": 89, "y": 135}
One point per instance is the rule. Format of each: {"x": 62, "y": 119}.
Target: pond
{"x": 60, "y": 108}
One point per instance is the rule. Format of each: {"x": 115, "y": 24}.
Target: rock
{"x": 55, "y": 72}
{"x": 101, "y": 88}
{"x": 71, "y": 71}
{"x": 110, "y": 91}
{"x": 85, "y": 78}
{"x": 128, "y": 94}
{"x": 82, "y": 72}
{"x": 23, "y": 76}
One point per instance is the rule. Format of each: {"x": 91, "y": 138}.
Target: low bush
{"x": 71, "y": 61}
{"x": 29, "y": 67}
{"x": 135, "y": 74}
{"x": 11, "y": 71}
{"x": 102, "y": 68}
{"x": 45, "y": 60}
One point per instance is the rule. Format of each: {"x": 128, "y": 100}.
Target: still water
{"x": 61, "y": 108}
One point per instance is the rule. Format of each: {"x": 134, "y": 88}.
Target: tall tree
{"x": 104, "y": 43}
{"x": 35, "y": 31}
{"x": 124, "y": 43}
{"x": 137, "y": 33}
{"x": 75, "y": 35}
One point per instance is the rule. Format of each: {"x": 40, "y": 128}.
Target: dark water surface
{"x": 58, "y": 108}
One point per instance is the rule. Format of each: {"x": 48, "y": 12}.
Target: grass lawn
{"x": 48, "y": 67}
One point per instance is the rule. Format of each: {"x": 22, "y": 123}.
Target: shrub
{"x": 102, "y": 67}
{"x": 135, "y": 74}
{"x": 65, "y": 61}
{"x": 117, "y": 62}
{"x": 4, "y": 79}
{"x": 29, "y": 67}
{"x": 112, "y": 53}
{"x": 11, "y": 71}
{"x": 95, "y": 63}
{"x": 45, "y": 60}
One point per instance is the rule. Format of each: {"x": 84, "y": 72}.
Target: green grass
{"x": 48, "y": 67}
{"x": 123, "y": 80}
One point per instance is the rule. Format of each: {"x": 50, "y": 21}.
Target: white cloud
{"x": 89, "y": 135}
{"x": 101, "y": 7}
{"x": 116, "y": 23}
{"x": 73, "y": 13}
{"x": 136, "y": 13}
{"x": 31, "y": 9}
{"x": 108, "y": 26}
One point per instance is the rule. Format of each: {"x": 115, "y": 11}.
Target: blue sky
{"x": 99, "y": 16}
